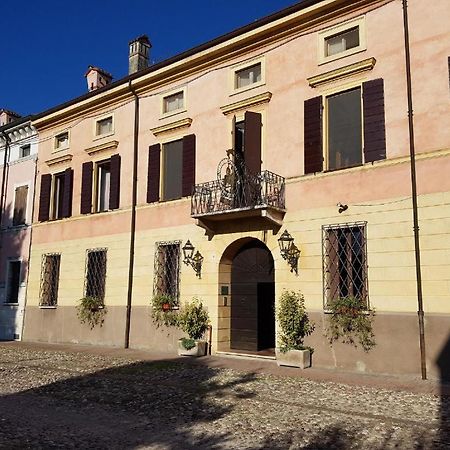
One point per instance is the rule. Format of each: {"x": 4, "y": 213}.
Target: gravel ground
{"x": 60, "y": 399}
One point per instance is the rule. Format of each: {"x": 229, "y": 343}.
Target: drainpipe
{"x": 133, "y": 216}
{"x": 412, "y": 153}
{"x": 5, "y": 162}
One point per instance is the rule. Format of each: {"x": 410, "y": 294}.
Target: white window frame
{"x": 359, "y": 22}
{"x": 55, "y": 141}
{"x": 232, "y": 75}
{"x": 164, "y": 114}
{"x": 8, "y": 261}
{"x": 96, "y": 186}
{"x": 100, "y": 136}
{"x": 20, "y": 151}
{"x": 52, "y": 195}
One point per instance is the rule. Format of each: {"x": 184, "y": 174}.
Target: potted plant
{"x": 91, "y": 310}
{"x": 294, "y": 325}
{"x": 164, "y": 310}
{"x": 194, "y": 321}
{"x": 350, "y": 322}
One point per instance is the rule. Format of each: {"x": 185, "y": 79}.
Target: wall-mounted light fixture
{"x": 195, "y": 261}
{"x": 289, "y": 251}
{"x": 341, "y": 207}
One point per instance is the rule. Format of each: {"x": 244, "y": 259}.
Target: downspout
{"x": 412, "y": 153}
{"x": 5, "y": 162}
{"x": 133, "y": 215}
{"x": 29, "y": 246}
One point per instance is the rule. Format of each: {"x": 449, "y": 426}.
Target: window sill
{"x": 247, "y": 88}
{"x": 46, "y": 307}
{"x": 10, "y": 304}
{"x": 18, "y": 227}
{"x": 344, "y": 54}
{"x": 172, "y": 113}
{"x": 101, "y": 136}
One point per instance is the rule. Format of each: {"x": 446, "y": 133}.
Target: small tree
{"x": 293, "y": 321}
{"x": 193, "y": 320}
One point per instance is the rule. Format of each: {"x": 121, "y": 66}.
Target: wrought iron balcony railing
{"x": 238, "y": 190}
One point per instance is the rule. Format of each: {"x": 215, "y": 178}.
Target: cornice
{"x": 247, "y": 103}
{"x": 59, "y": 159}
{"x": 342, "y": 72}
{"x": 171, "y": 126}
{"x": 107, "y": 146}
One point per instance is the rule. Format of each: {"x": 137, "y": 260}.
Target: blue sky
{"x": 48, "y": 44}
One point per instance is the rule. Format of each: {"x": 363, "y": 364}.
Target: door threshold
{"x": 240, "y": 354}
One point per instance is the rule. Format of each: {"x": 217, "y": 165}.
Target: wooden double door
{"x": 252, "y": 299}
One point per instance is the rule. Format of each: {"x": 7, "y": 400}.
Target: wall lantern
{"x": 289, "y": 251}
{"x": 195, "y": 261}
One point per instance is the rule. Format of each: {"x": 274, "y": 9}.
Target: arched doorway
{"x": 252, "y": 315}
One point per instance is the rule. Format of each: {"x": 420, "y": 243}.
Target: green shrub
{"x": 163, "y": 312}
{"x": 91, "y": 310}
{"x": 293, "y": 321}
{"x": 350, "y": 322}
{"x": 194, "y": 319}
{"x": 187, "y": 343}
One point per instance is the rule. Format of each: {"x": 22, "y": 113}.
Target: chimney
{"x": 138, "y": 58}
{"x": 7, "y": 116}
{"x": 97, "y": 78}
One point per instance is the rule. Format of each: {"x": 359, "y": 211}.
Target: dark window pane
{"x": 96, "y": 274}
{"x": 12, "y": 291}
{"x": 344, "y": 130}
{"x": 173, "y": 170}
{"x": 58, "y": 196}
{"x": 103, "y": 185}
{"x": 167, "y": 270}
{"x": 342, "y": 41}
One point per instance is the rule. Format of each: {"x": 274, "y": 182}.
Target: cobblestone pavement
{"x": 64, "y": 399}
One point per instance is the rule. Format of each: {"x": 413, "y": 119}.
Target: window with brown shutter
{"x": 86, "y": 187}
{"x": 313, "y": 151}
{"x": 252, "y": 146}
{"x": 66, "y": 209}
{"x": 20, "y": 205}
{"x": 188, "y": 180}
{"x": 153, "y": 176}
{"x": 44, "y": 197}
{"x": 345, "y": 262}
{"x": 114, "y": 189}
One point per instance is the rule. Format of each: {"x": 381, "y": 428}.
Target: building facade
{"x": 297, "y": 122}
{"x": 18, "y": 153}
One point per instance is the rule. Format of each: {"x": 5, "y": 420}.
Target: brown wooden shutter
{"x": 374, "y": 124}
{"x": 252, "y": 142}
{"x": 20, "y": 205}
{"x": 68, "y": 193}
{"x": 313, "y": 152}
{"x": 44, "y": 197}
{"x": 114, "y": 190}
{"x": 154, "y": 157}
{"x": 188, "y": 178}
{"x": 86, "y": 187}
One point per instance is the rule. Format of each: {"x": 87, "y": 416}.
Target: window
{"x": 173, "y": 102}
{"x": 104, "y": 126}
{"x": 13, "y": 281}
{"x": 50, "y": 279}
{"x": 62, "y": 141}
{"x": 249, "y": 75}
{"x": 95, "y": 273}
{"x": 58, "y": 195}
{"x": 172, "y": 170}
{"x": 103, "y": 185}
{"x": 20, "y": 205}
{"x": 167, "y": 269}
{"x": 25, "y": 151}
{"x": 345, "y": 262}
{"x": 344, "y": 121}
{"x": 342, "y": 40}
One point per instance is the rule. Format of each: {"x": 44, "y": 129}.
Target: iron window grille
{"x": 51, "y": 263}
{"x": 344, "y": 255}
{"x": 167, "y": 269}
{"x": 95, "y": 280}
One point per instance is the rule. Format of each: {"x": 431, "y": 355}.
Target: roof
{"x": 303, "y": 4}
{"x": 98, "y": 69}
{"x": 7, "y": 111}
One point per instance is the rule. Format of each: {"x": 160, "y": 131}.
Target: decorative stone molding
{"x": 59, "y": 159}
{"x": 111, "y": 145}
{"x": 171, "y": 126}
{"x": 247, "y": 103}
{"x": 342, "y": 72}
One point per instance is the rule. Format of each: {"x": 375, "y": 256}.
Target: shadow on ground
{"x": 163, "y": 404}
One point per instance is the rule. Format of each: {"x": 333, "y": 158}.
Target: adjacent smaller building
{"x": 18, "y": 154}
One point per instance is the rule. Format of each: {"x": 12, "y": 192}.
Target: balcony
{"x": 239, "y": 201}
